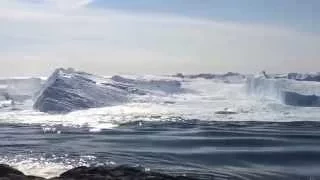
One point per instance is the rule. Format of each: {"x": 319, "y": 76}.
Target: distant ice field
{"x": 201, "y": 100}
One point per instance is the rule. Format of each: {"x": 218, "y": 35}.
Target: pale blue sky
{"x": 159, "y": 36}
{"x": 302, "y": 14}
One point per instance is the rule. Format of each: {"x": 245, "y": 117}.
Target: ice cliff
{"x": 288, "y": 91}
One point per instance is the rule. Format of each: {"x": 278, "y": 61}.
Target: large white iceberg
{"x": 67, "y": 90}
{"x": 289, "y": 92}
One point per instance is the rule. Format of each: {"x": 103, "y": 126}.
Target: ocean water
{"x": 177, "y": 133}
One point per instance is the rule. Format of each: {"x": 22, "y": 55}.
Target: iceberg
{"x": 296, "y": 76}
{"x": 304, "y": 77}
{"x": 150, "y": 85}
{"x": 229, "y": 77}
{"x": 67, "y": 90}
{"x": 287, "y": 91}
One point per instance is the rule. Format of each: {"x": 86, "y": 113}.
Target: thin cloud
{"x": 69, "y": 4}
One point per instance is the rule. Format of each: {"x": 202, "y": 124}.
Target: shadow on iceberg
{"x": 68, "y": 90}
{"x": 295, "y": 99}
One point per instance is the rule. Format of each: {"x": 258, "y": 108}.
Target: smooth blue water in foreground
{"x": 210, "y": 150}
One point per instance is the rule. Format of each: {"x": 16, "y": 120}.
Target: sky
{"x": 159, "y": 36}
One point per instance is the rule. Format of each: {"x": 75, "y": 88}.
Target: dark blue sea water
{"x": 207, "y": 150}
